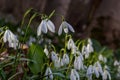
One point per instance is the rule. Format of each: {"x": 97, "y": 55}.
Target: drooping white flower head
{"x": 65, "y": 59}
{"x": 46, "y": 52}
{"x": 11, "y": 39}
{"x": 78, "y": 64}
{"x": 74, "y": 75}
{"x": 100, "y": 57}
{"x": 116, "y": 63}
{"x": 97, "y": 69}
{"x": 85, "y": 52}
{"x": 49, "y": 74}
{"x": 66, "y": 27}
{"x": 106, "y": 75}
{"x": 54, "y": 56}
{"x": 70, "y": 44}
{"x": 89, "y": 72}
{"x": 58, "y": 63}
{"x": 44, "y": 26}
{"x": 96, "y": 72}
{"x": 89, "y": 48}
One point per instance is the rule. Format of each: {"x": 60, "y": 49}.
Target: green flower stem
{"x": 33, "y": 16}
{"x": 70, "y": 64}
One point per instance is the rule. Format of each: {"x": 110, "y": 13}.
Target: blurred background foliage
{"x": 98, "y": 19}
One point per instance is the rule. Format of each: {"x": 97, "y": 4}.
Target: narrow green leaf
{"x": 51, "y": 14}
{"x": 26, "y": 13}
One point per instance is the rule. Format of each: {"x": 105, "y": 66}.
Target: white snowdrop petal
{"x": 51, "y": 26}
{"x": 69, "y": 27}
{"x": 5, "y": 36}
{"x": 44, "y": 26}
{"x": 60, "y": 29}
{"x": 39, "y": 31}
{"x": 46, "y": 52}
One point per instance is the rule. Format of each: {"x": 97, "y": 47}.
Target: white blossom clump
{"x": 11, "y": 39}
{"x": 78, "y": 63}
{"x": 66, "y": 27}
{"x": 44, "y": 26}
{"x": 49, "y": 74}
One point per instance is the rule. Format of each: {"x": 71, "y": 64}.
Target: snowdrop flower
{"x": 70, "y": 44}
{"x": 65, "y": 59}
{"x": 116, "y": 63}
{"x": 66, "y": 27}
{"x": 44, "y": 26}
{"x": 89, "y": 72}
{"x": 46, "y": 52}
{"x": 78, "y": 64}
{"x": 54, "y": 56}
{"x": 58, "y": 63}
{"x": 106, "y": 75}
{"x": 85, "y": 52}
{"x": 102, "y": 58}
{"x": 10, "y": 38}
{"x": 89, "y": 48}
{"x": 97, "y": 69}
{"x": 74, "y": 75}
{"x": 89, "y": 41}
{"x": 49, "y": 74}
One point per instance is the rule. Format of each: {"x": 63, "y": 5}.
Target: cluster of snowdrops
{"x": 75, "y": 60}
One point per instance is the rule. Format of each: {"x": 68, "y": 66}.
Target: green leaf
{"x": 37, "y": 55}
{"x": 2, "y": 74}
